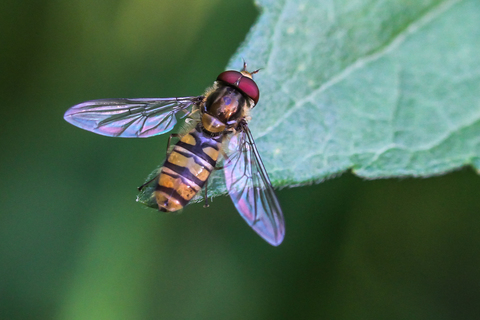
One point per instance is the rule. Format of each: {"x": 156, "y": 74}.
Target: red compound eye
{"x": 246, "y": 85}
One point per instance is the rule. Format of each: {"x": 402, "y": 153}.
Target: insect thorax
{"x": 224, "y": 107}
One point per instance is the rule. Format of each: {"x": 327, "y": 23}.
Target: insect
{"x": 217, "y": 127}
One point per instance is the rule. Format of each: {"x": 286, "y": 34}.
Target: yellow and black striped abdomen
{"x": 186, "y": 169}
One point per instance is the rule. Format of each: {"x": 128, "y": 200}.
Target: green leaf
{"x": 383, "y": 88}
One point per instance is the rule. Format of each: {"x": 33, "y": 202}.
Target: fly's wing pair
{"x": 129, "y": 118}
{"x": 250, "y": 188}
{"x": 246, "y": 178}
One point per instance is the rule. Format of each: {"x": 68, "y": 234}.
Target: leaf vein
{"x": 362, "y": 61}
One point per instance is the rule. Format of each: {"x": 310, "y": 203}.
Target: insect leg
{"x": 147, "y": 183}
{"x": 205, "y": 196}
{"x": 189, "y": 113}
{"x": 226, "y": 160}
{"x": 173, "y": 135}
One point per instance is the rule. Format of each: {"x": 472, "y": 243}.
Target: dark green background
{"x": 74, "y": 244}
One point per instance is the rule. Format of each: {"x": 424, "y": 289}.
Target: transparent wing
{"x": 129, "y": 118}
{"x": 251, "y": 190}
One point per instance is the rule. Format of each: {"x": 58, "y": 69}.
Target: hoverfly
{"x": 217, "y": 127}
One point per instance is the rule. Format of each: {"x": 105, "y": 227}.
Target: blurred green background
{"x": 74, "y": 244}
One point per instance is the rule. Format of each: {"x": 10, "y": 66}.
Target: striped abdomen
{"x": 186, "y": 169}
